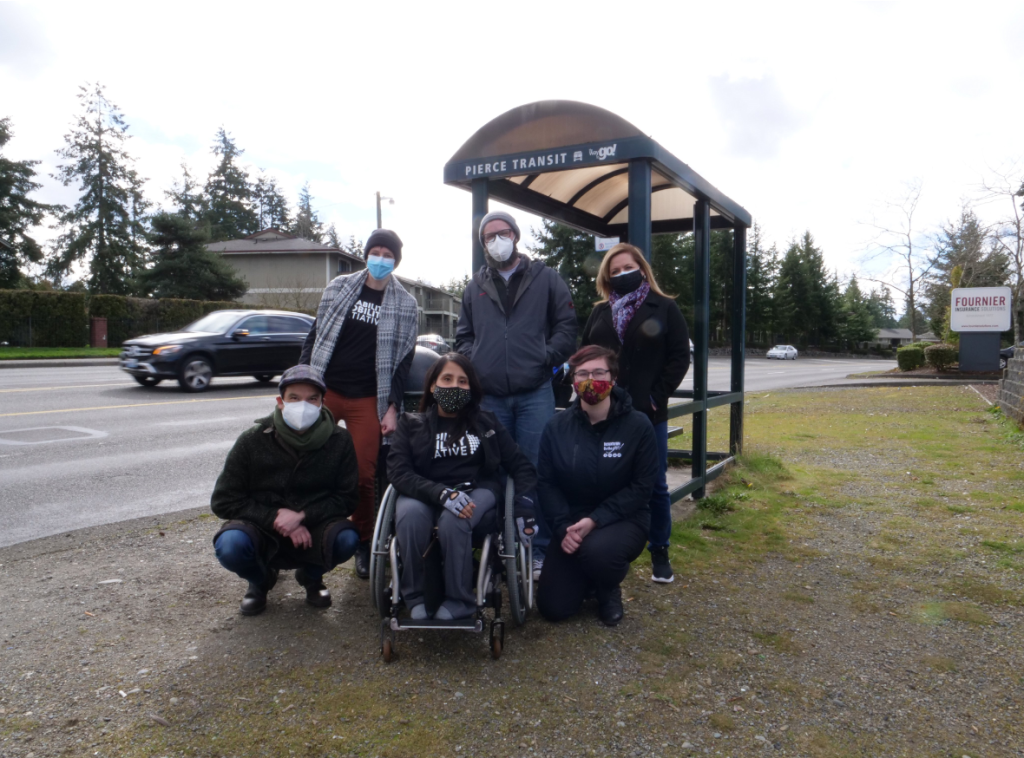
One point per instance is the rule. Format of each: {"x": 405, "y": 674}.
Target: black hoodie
{"x": 605, "y": 471}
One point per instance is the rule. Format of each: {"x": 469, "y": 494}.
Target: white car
{"x": 783, "y": 352}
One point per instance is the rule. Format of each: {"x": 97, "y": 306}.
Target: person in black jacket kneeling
{"x": 598, "y": 465}
{"x": 444, "y": 464}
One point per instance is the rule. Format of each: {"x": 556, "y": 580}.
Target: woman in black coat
{"x": 645, "y": 327}
{"x": 598, "y": 465}
{"x": 444, "y": 463}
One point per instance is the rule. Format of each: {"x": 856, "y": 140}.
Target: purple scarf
{"x": 624, "y": 307}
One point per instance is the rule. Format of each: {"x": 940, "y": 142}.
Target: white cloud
{"x": 806, "y": 115}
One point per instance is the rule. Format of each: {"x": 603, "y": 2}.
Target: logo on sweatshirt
{"x": 613, "y": 449}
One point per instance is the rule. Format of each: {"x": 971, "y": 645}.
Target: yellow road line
{"x": 135, "y": 405}
{"x": 69, "y": 387}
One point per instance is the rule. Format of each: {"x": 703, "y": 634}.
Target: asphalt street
{"x": 87, "y": 446}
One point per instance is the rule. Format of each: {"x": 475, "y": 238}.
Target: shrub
{"x": 909, "y": 358}
{"x": 940, "y": 357}
{"x": 42, "y": 319}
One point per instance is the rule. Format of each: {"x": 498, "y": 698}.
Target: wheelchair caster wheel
{"x": 387, "y": 651}
{"x": 497, "y": 638}
{"x": 496, "y": 648}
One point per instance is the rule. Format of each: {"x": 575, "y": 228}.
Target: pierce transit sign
{"x": 980, "y": 309}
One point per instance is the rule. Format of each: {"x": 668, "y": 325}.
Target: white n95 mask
{"x": 301, "y": 415}
{"x": 501, "y": 249}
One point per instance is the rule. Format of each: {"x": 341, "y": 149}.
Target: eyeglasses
{"x": 505, "y": 234}
{"x": 600, "y": 374}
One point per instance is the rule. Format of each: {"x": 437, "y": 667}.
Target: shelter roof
{"x": 570, "y": 161}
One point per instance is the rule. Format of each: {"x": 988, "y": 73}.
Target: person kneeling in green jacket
{"x": 288, "y": 486}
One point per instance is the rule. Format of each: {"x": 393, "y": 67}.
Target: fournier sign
{"x": 980, "y": 309}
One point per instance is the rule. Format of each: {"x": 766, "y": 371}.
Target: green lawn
{"x": 35, "y": 353}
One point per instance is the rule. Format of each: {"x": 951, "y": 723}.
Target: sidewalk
{"x": 59, "y": 363}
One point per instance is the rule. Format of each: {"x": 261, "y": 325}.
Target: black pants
{"x": 600, "y": 562}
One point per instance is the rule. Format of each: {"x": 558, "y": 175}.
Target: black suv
{"x": 262, "y": 344}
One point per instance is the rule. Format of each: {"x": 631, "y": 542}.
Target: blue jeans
{"x": 236, "y": 553}
{"x": 524, "y": 416}
{"x": 660, "y": 502}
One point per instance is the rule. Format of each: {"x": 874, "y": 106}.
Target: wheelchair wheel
{"x": 380, "y": 563}
{"x": 517, "y": 598}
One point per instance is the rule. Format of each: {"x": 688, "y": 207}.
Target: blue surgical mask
{"x": 380, "y": 268}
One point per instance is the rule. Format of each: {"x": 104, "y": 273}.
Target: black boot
{"x": 609, "y": 605}
{"x": 661, "y": 569}
{"x": 317, "y": 594}
{"x": 255, "y": 600}
{"x": 363, "y": 560}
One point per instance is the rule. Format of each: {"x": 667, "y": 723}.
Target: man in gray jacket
{"x": 516, "y": 325}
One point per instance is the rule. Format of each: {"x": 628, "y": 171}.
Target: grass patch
{"x": 798, "y": 597}
{"x": 780, "y": 642}
{"x": 939, "y": 663}
{"x": 939, "y": 612}
{"x": 723, "y": 722}
{"x": 38, "y": 353}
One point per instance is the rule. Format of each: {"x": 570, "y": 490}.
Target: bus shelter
{"x": 590, "y": 169}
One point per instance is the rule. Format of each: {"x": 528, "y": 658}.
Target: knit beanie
{"x": 385, "y": 238}
{"x": 495, "y": 216}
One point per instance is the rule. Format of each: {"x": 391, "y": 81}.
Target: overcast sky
{"x": 809, "y": 115}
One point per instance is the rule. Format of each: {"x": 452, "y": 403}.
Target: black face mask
{"x": 627, "y": 282}
{"x": 452, "y": 399}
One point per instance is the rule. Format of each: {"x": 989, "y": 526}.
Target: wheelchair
{"x": 498, "y": 555}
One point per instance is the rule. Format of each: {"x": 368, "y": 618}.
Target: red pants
{"x": 360, "y": 417}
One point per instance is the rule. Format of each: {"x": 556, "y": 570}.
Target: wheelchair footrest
{"x": 465, "y": 625}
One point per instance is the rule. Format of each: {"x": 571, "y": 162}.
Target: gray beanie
{"x": 495, "y": 216}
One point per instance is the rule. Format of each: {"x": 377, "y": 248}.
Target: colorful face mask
{"x": 593, "y": 391}
{"x": 452, "y": 399}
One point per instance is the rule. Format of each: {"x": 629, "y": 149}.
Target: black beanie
{"x": 385, "y": 238}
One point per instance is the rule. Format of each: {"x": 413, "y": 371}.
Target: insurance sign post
{"x": 979, "y": 314}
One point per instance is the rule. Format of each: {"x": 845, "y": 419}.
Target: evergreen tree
{"x": 229, "y": 211}
{"x": 101, "y": 225}
{"x": 881, "y": 308}
{"x": 354, "y": 247}
{"x": 807, "y": 296}
{"x": 855, "y": 323}
{"x": 762, "y": 280}
{"x": 270, "y": 204}
{"x": 18, "y": 214}
{"x": 307, "y": 224}
{"x": 456, "y": 286}
{"x": 186, "y": 197}
{"x": 183, "y": 266}
{"x": 571, "y": 253}
{"x": 332, "y": 237}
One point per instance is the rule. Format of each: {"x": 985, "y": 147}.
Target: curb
{"x": 59, "y": 362}
{"x": 906, "y": 383}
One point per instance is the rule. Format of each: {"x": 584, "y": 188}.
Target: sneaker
{"x": 661, "y": 569}
{"x": 363, "y": 560}
{"x": 538, "y": 567}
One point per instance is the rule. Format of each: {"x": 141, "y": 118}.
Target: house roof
{"x": 275, "y": 241}
{"x": 894, "y": 334}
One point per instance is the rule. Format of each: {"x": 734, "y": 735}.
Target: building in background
{"x": 290, "y": 273}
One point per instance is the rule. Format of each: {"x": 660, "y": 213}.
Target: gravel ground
{"x": 879, "y": 627}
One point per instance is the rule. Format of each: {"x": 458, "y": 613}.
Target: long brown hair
{"x": 604, "y": 279}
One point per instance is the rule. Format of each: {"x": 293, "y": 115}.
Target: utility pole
{"x": 391, "y": 201}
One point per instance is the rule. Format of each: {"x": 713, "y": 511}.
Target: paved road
{"x": 87, "y": 446}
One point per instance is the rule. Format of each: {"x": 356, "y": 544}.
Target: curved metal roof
{"x": 569, "y": 161}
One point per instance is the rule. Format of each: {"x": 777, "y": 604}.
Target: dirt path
{"x": 865, "y": 600}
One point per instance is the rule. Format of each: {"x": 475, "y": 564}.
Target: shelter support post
{"x": 480, "y": 198}
{"x": 738, "y": 330}
{"x": 639, "y": 228}
{"x": 701, "y": 317}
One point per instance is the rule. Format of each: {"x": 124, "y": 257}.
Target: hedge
{"x": 940, "y": 357}
{"x": 909, "y": 358}
{"x": 129, "y": 317}
{"x": 31, "y": 318}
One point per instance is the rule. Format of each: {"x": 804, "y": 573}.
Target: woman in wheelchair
{"x": 598, "y": 465}
{"x": 444, "y": 464}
